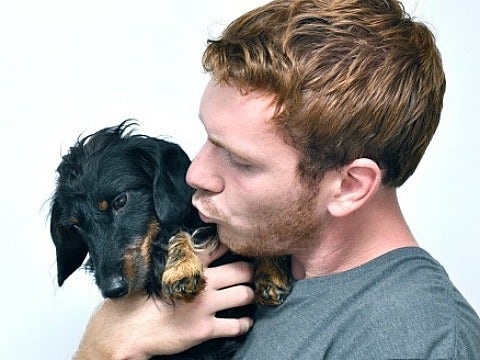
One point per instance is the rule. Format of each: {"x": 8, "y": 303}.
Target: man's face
{"x": 245, "y": 176}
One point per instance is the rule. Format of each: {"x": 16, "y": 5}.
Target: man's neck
{"x": 348, "y": 242}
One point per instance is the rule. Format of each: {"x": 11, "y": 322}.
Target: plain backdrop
{"x": 70, "y": 67}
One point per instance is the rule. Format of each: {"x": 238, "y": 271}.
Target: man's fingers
{"x": 231, "y": 327}
{"x": 208, "y": 257}
{"x": 223, "y": 276}
{"x": 231, "y": 297}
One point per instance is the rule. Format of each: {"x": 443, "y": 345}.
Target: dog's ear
{"x": 171, "y": 193}
{"x": 172, "y": 196}
{"x": 71, "y": 250}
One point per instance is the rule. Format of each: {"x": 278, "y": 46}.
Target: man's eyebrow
{"x": 236, "y": 152}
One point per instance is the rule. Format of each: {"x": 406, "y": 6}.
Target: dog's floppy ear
{"x": 171, "y": 194}
{"x": 71, "y": 250}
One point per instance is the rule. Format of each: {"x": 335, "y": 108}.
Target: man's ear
{"x": 356, "y": 183}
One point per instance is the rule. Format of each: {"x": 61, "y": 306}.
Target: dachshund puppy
{"x": 122, "y": 199}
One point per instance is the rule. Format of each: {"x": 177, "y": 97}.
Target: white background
{"x": 71, "y": 67}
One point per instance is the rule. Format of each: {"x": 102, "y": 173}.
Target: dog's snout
{"x": 115, "y": 287}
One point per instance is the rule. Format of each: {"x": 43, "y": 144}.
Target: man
{"x": 315, "y": 113}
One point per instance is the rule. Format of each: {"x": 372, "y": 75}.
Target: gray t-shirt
{"x": 401, "y": 305}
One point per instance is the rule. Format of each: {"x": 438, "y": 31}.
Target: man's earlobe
{"x": 357, "y": 183}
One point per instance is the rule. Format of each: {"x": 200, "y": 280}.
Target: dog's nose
{"x": 115, "y": 287}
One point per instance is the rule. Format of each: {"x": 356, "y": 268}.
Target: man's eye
{"x": 119, "y": 202}
{"x": 237, "y": 163}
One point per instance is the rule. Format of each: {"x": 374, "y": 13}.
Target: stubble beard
{"x": 281, "y": 229}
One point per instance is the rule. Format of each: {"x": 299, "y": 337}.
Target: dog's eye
{"x": 119, "y": 202}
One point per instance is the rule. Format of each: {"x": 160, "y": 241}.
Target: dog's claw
{"x": 184, "y": 288}
{"x": 270, "y": 294}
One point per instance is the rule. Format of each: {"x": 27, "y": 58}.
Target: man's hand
{"x": 139, "y": 327}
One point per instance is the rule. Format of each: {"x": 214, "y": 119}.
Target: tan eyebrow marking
{"x": 103, "y": 205}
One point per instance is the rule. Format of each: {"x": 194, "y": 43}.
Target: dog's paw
{"x": 272, "y": 282}
{"x": 175, "y": 285}
{"x": 183, "y": 275}
{"x": 270, "y": 294}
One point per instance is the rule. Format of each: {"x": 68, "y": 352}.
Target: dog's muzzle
{"x": 116, "y": 286}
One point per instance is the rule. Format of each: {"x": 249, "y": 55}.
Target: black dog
{"x": 123, "y": 199}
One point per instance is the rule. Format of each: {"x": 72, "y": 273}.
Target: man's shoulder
{"x": 408, "y": 279}
{"x": 401, "y": 305}
{"x": 412, "y": 303}
{"x": 410, "y": 284}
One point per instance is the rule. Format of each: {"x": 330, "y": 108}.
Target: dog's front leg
{"x": 272, "y": 280}
{"x": 183, "y": 276}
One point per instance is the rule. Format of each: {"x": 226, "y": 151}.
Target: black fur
{"x": 111, "y": 186}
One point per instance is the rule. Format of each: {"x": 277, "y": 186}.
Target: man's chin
{"x": 242, "y": 245}
{"x": 232, "y": 241}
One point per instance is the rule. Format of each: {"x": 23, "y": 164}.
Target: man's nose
{"x": 204, "y": 172}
